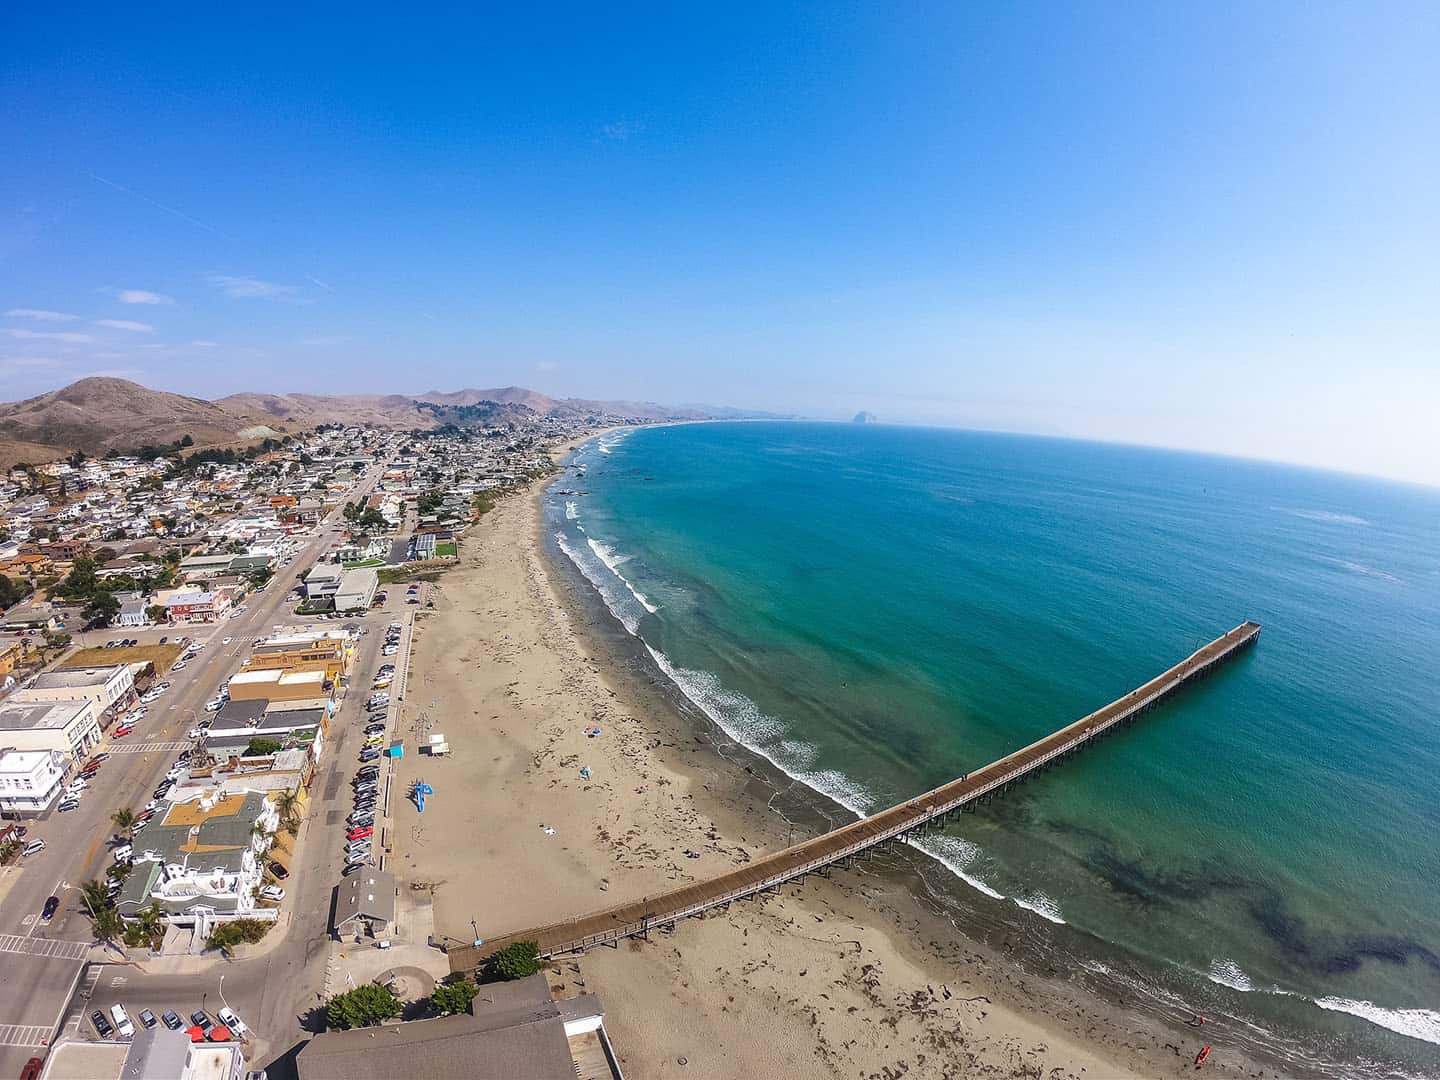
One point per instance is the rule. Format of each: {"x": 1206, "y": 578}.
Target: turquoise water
{"x": 879, "y": 609}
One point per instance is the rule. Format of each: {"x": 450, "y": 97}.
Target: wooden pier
{"x": 927, "y": 811}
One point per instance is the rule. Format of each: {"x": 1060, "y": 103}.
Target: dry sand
{"x": 837, "y": 977}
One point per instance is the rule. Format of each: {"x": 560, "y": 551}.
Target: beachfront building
{"x": 202, "y": 861}
{"x": 104, "y": 687}
{"x": 350, "y": 590}
{"x": 30, "y": 780}
{"x": 513, "y": 1029}
{"x": 365, "y": 904}
{"x": 68, "y": 727}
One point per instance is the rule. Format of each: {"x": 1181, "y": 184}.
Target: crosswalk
{"x": 158, "y": 747}
{"x": 46, "y": 947}
{"x": 24, "y": 1035}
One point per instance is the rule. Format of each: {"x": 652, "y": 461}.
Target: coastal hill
{"x": 98, "y": 414}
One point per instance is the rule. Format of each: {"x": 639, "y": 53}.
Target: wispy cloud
{"x": 28, "y": 362}
{"x": 39, "y": 315}
{"x": 50, "y": 335}
{"x": 158, "y": 205}
{"x": 316, "y": 281}
{"x": 126, "y": 324}
{"x": 201, "y": 343}
{"x": 622, "y": 130}
{"x": 546, "y": 365}
{"x": 248, "y": 288}
{"x": 142, "y": 296}
{"x": 324, "y": 339}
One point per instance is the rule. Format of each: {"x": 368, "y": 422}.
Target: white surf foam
{"x": 613, "y": 562}
{"x": 1041, "y": 905}
{"x": 605, "y": 584}
{"x": 1421, "y": 1024}
{"x": 957, "y": 856}
{"x": 572, "y": 509}
{"x": 1330, "y": 517}
{"x": 1228, "y": 973}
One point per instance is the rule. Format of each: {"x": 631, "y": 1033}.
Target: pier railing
{"x": 611, "y": 925}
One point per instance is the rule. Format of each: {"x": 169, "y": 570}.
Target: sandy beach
{"x": 849, "y": 976}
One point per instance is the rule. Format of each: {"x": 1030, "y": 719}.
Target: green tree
{"x": 365, "y": 1006}
{"x": 156, "y": 613}
{"x": 372, "y": 520}
{"x": 107, "y": 925}
{"x": 517, "y": 960}
{"x": 453, "y": 995}
{"x": 95, "y": 895}
{"x": 287, "y": 804}
{"x": 102, "y": 607}
{"x": 262, "y": 747}
{"x": 187, "y": 441}
{"x": 80, "y": 582}
{"x": 124, "y": 820}
{"x": 12, "y": 591}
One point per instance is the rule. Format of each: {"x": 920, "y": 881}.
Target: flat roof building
{"x": 70, "y": 727}
{"x": 105, "y": 686}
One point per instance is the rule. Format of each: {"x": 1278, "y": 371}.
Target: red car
{"x": 32, "y": 1069}
{"x": 120, "y": 733}
{"x": 360, "y": 833}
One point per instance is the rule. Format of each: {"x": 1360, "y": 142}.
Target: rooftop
{"x": 76, "y": 677}
{"x": 40, "y": 715}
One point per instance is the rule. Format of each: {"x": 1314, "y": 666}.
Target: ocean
{"x": 876, "y": 609}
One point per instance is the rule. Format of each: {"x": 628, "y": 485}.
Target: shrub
{"x": 262, "y": 747}
{"x": 237, "y": 931}
{"x": 453, "y": 996}
{"x": 516, "y": 961}
{"x": 364, "y": 1006}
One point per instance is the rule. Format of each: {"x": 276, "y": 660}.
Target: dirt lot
{"x": 162, "y": 656}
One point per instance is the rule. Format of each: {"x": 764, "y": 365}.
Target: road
{"x": 36, "y": 989}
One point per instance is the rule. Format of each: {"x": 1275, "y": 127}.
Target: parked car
{"x": 271, "y": 892}
{"x": 121, "y": 1019}
{"x": 201, "y": 1020}
{"x": 121, "y": 732}
{"x": 32, "y": 1069}
{"x": 34, "y": 847}
{"x": 369, "y": 754}
{"x": 360, "y": 832}
{"x": 227, "y": 1017}
{"x": 102, "y": 1026}
{"x": 279, "y": 871}
{"x": 171, "y": 1020}
{"x": 352, "y": 868}
{"x": 147, "y": 1018}
{"x": 66, "y": 805}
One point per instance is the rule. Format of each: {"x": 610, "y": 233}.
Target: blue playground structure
{"x": 418, "y": 793}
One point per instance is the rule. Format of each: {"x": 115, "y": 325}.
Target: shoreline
{"x": 858, "y": 974}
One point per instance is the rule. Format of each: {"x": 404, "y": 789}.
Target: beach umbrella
{"x": 196, "y": 1033}
{"x": 219, "y": 1033}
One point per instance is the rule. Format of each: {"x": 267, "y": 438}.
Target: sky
{"x": 1211, "y": 226}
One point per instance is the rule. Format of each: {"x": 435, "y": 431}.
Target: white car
{"x": 34, "y": 847}
{"x": 214, "y": 706}
{"x": 227, "y": 1017}
{"x": 123, "y": 853}
{"x": 179, "y": 665}
{"x": 194, "y": 733}
{"x": 121, "y": 1018}
{"x": 272, "y": 892}
{"x": 226, "y": 641}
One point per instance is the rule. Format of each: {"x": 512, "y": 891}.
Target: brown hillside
{"x": 99, "y": 414}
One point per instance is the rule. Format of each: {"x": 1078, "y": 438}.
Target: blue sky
{"x": 1211, "y": 226}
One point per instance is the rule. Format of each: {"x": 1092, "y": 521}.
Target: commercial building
{"x": 105, "y": 687}
{"x": 154, "y": 1054}
{"x": 30, "y": 780}
{"x": 197, "y": 607}
{"x": 274, "y": 684}
{"x": 70, "y": 727}
{"x": 365, "y": 903}
{"x": 513, "y": 1029}
{"x": 13, "y": 654}
{"x": 351, "y": 590}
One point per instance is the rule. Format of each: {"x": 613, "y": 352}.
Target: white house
{"x": 30, "y": 780}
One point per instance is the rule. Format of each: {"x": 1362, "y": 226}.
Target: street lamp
{"x": 222, "y": 994}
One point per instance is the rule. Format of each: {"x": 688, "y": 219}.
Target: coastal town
{"x": 204, "y": 658}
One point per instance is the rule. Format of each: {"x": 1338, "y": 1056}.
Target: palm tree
{"x": 288, "y": 805}
{"x": 124, "y": 820}
{"x": 108, "y": 925}
{"x": 95, "y": 895}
